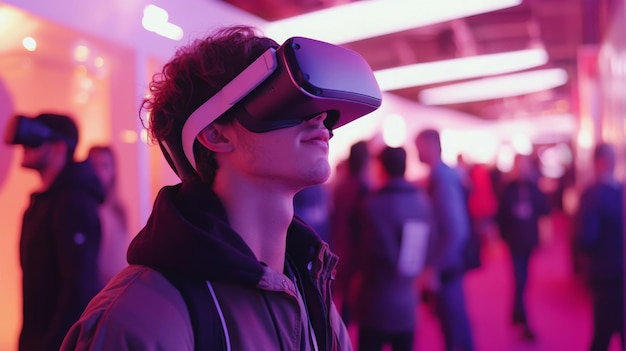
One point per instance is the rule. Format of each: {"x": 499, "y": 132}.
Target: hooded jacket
{"x": 58, "y": 255}
{"x": 188, "y": 234}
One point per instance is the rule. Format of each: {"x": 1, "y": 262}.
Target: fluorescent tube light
{"x": 495, "y": 87}
{"x": 460, "y": 68}
{"x": 365, "y": 19}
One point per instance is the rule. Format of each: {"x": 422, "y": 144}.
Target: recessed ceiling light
{"x": 81, "y": 53}
{"x": 29, "y": 43}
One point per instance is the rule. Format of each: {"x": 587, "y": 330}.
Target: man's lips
{"x": 321, "y": 136}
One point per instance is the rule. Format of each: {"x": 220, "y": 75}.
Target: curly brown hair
{"x": 195, "y": 73}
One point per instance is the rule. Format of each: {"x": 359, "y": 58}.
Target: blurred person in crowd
{"x": 520, "y": 207}
{"x": 60, "y": 231}
{"x": 446, "y": 262}
{"x": 392, "y": 251}
{"x": 600, "y": 237}
{"x": 347, "y": 222}
{"x": 482, "y": 203}
{"x": 312, "y": 204}
{"x": 475, "y": 201}
{"x": 482, "y": 199}
{"x": 222, "y": 262}
{"x": 115, "y": 236}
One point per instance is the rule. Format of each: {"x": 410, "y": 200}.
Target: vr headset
{"x": 31, "y": 132}
{"x": 285, "y": 86}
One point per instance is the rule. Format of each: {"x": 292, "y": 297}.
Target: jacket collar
{"x": 188, "y": 233}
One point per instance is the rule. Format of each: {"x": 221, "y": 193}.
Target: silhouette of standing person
{"x": 520, "y": 206}
{"x": 60, "y": 232}
{"x": 347, "y": 223}
{"x": 600, "y": 238}
{"x": 115, "y": 236}
{"x": 392, "y": 251}
{"x": 446, "y": 264}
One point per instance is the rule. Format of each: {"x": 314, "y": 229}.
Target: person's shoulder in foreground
{"x": 138, "y": 310}
{"x": 226, "y": 238}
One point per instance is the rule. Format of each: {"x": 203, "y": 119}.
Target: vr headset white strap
{"x": 227, "y": 97}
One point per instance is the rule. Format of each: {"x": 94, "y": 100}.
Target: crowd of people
{"x": 462, "y": 211}
{"x": 242, "y": 253}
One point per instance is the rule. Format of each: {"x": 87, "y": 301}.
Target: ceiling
{"x": 560, "y": 26}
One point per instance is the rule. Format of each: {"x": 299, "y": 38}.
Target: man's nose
{"x": 318, "y": 119}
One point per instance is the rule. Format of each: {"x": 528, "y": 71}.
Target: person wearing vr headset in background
{"x": 60, "y": 231}
{"x": 223, "y": 263}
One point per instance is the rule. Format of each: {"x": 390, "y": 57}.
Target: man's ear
{"x": 213, "y": 138}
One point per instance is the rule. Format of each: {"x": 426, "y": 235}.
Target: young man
{"x": 446, "y": 266}
{"x": 600, "y": 236}
{"x": 60, "y": 232}
{"x": 397, "y": 220}
{"x": 222, "y": 263}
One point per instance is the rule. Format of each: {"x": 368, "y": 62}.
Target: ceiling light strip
{"x": 365, "y": 19}
{"x": 496, "y": 87}
{"x": 460, "y": 68}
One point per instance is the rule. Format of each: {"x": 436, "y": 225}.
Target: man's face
{"x": 104, "y": 166}
{"x": 37, "y": 158}
{"x": 296, "y": 156}
{"x": 604, "y": 165}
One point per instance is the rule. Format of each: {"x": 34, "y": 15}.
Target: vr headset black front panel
{"x": 333, "y": 72}
{"x": 311, "y": 77}
{"x": 28, "y": 132}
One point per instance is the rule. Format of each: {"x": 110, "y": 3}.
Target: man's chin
{"x": 316, "y": 180}
{"x": 322, "y": 176}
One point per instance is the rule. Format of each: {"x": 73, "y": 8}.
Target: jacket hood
{"x": 188, "y": 233}
{"x": 79, "y": 175}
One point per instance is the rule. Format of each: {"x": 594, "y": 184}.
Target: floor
{"x": 557, "y": 302}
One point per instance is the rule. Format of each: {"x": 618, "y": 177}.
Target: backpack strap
{"x": 207, "y": 321}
